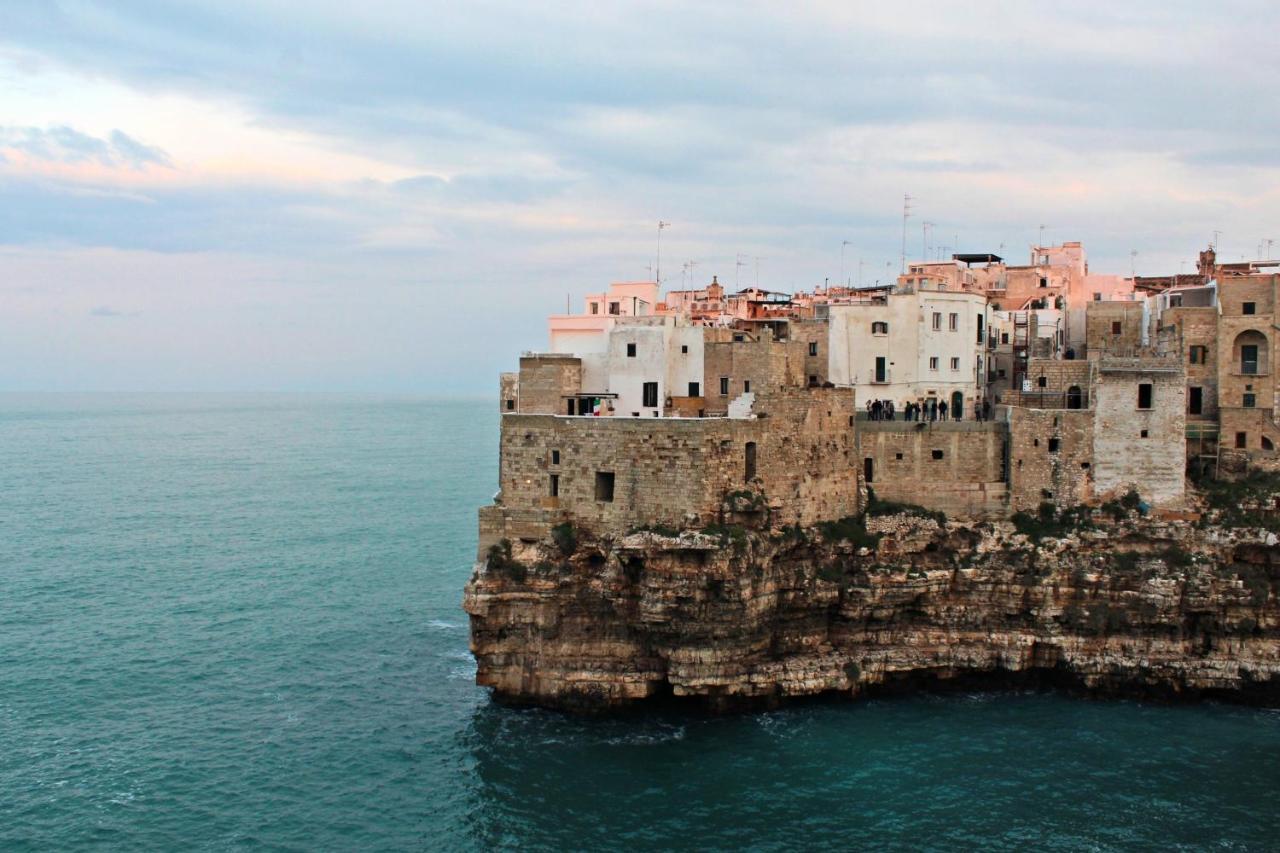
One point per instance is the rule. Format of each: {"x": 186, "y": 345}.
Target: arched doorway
{"x": 1075, "y": 397}
{"x": 957, "y": 404}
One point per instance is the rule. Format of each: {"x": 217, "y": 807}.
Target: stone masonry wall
{"x": 1050, "y": 451}
{"x": 955, "y": 467}
{"x": 767, "y": 365}
{"x": 545, "y": 380}
{"x": 1141, "y": 448}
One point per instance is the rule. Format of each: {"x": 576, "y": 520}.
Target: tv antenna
{"x": 658, "y": 269}
{"x": 738, "y": 264}
{"x": 842, "y": 245}
{"x": 906, "y": 214}
{"x": 758, "y": 260}
{"x": 924, "y": 239}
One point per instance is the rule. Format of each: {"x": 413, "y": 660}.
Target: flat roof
{"x": 977, "y": 258}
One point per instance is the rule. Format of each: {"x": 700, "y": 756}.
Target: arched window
{"x": 1075, "y": 397}
{"x": 1249, "y": 353}
{"x": 1266, "y": 444}
{"x": 879, "y": 328}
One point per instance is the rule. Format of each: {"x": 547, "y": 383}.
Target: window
{"x": 1242, "y": 440}
{"x": 933, "y": 363}
{"x": 650, "y": 394}
{"x": 937, "y": 321}
{"x": 724, "y": 386}
{"x": 615, "y": 308}
{"x": 1053, "y": 445}
{"x": 555, "y": 457}
{"x": 631, "y": 350}
{"x": 684, "y": 349}
{"x": 737, "y": 339}
{"x": 882, "y": 370}
{"x": 955, "y": 364}
{"x": 604, "y": 486}
{"x": 1143, "y": 434}
{"x": 1250, "y": 401}
{"x": 1097, "y": 297}
{"x": 1044, "y": 282}
{"x": 954, "y": 320}
{"x": 695, "y": 389}
{"x": 1042, "y": 382}
{"x": 570, "y": 405}
{"x": 1000, "y": 374}
{"x": 554, "y": 488}
{"x": 1248, "y": 308}
{"x": 1198, "y": 354}
{"x": 511, "y": 404}
{"x": 1249, "y": 359}
{"x": 813, "y": 348}
{"x": 1195, "y": 401}
{"x": 981, "y": 330}
{"x": 1144, "y": 395}
{"x": 595, "y": 307}
{"x": 746, "y": 386}
{"x": 1004, "y": 337}
{"x": 898, "y": 456}
{"x": 1115, "y": 327}
{"x": 750, "y": 459}
{"x": 869, "y": 470}
{"x": 813, "y": 381}
{"x": 879, "y": 328}
{"x": 937, "y": 454}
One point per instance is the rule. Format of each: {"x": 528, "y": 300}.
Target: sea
{"x": 233, "y": 622}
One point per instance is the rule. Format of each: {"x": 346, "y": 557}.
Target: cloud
{"x": 63, "y": 144}
{"x": 105, "y": 311}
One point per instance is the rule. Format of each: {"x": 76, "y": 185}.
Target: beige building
{"x": 912, "y": 343}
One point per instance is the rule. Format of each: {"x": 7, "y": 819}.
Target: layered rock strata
{"x": 736, "y": 617}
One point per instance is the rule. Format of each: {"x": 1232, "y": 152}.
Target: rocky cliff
{"x": 1107, "y": 600}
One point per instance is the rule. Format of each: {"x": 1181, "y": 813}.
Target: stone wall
{"x": 545, "y": 380}
{"x": 508, "y": 392}
{"x": 1140, "y": 448}
{"x": 814, "y": 334}
{"x": 1113, "y": 326}
{"x": 1198, "y": 327}
{"x": 1050, "y": 457}
{"x": 758, "y": 366}
{"x": 1237, "y": 329}
{"x": 796, "y": 456}
{"x": 1052, "y": 382}
{"x": 955, "y": 467}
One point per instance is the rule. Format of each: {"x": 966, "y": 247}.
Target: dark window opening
{"x": 631, "y": 350}
{"x": 1248, "y": 308}
{"x": 1053, "y": 445}
{"x": 1084, "y": 465}
{"x": 555, "y": 457}
{"x": 868, "y": 470}
{"x": 897, "y": 456}
{"x": 1195, "y": 401}
{"x": 1143, "y": 434}
{"x": 724, "y": 386}
{"x": 684, "y": 349}
{"x": 1044, "y": 282}
{"x": 1242, "y": 439}
{"x": 937, "y": 454}
{"x": 650, "y": 394}
{"x": 569, "y": 406}
{"x": 1004, "y": 337}
{"x": 695, "y": 389}
{"x": 615, "y": 308}
{"x": 813, "y": 381}
{"x": 737, "y": 339}
{"x": 746, "y": 386}
{"x": 1115, "y": 327}
{"x": 813, "y": 348}
{"x": 1075, "y": 397}
{"x": 882, "y": 369}
{"x": 604, "y": 486}
{"x": 1266, "y": 444}
{"x": 1250, "y": 401}
{"x": 1042, "y": 382}
{"x": 1144, "y": 395}
{"x": 750, "y": 457}
{"x": 511, "y": 404}
{"x": 554, "y": 491}
{"x": 1249, "y": 359}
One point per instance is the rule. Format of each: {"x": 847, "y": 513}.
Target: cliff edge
{"x": 1106, "y": 600}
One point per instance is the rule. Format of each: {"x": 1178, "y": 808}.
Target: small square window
{"x": 937, "y": 454}
{"x": 604, "y": 486}
{"x": 1250, "y": 401}
{"x": 933, "y": 363}
{"x": 1053, "y": 445}
{"x": 631, "y": 350}
{"x": 1143, "y": 434}
{"x": 1115, "y": 327}
{"x": 684, "y": 349}
{"x": 955, "y": 364}
{"x": 511, "y": 405}
{"x": 1248, "y": 308}
{"x": 897, "y": 456}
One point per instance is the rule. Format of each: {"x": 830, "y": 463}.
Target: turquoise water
{"x": 233, "y": 622}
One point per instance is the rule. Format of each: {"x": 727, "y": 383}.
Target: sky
{"x": 391, "y": 196}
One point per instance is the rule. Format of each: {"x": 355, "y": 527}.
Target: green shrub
{"x": 660, "y": 529}
{"x": 499, "y": 560}
{"x": 565, "y": 538}
{"x": 1049, "y": 522}
{"x": 729, "y": 534}
{"x": 851, "y": 528}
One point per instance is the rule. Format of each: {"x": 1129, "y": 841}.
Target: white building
{"x": 911, "y": 344}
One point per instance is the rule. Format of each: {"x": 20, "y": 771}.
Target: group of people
{"x": 931, "y": 409}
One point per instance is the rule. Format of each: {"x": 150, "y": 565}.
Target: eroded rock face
{"x": 750, "y": 618}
